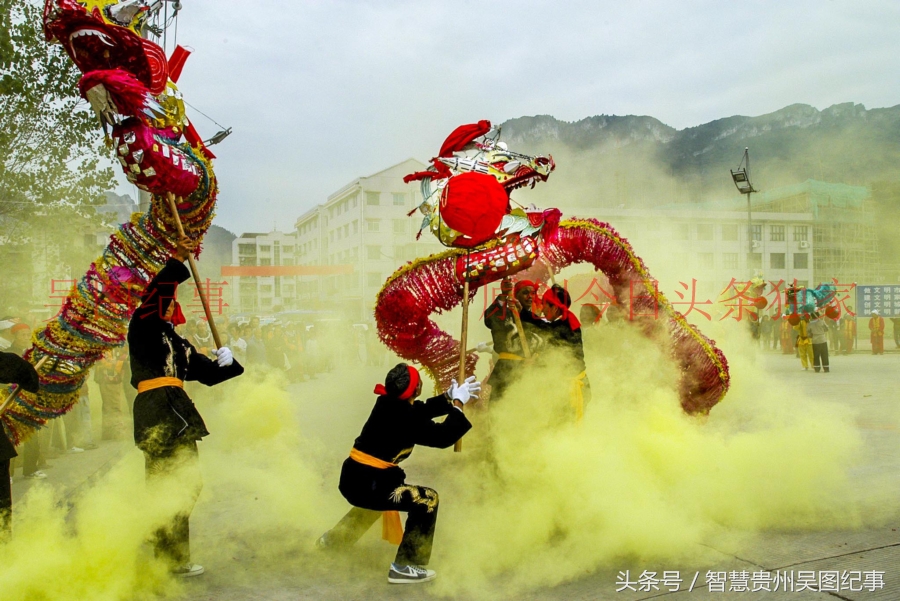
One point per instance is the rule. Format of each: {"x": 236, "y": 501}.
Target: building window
{"x": 730, "y": 260}
{"x": 683, "y": 231}
{"x": 355, "y": 226}
{"x": 265, "y": 262}
{"x": 247, "y": 261}
{"x": 399, "y": 200}
{"x": 776, "y": 260}
{"x": 288, "y": 262}
{"x": 373, "y": 253}
{"x": 287, "y": 249}
{"x": 801, "y": 233}
{"x": 704, "y": 231}
{"x": 776, "y": 233}
{"x": 373, "y": 279}
{"x": 730, "y": 232}
{"x": 373, "y": 199}
{"x": 266, "y": 302}
{"x": 265, "y": 249}
{"x": 707, "y": 260}
{"x": 756, "y": 233}
{"x": 801, "y": 261}
{"x": 373, "y": 225}
{"x": 399, "y": 226}
{"x": 247, "y": 249}
{"x": 265, "y": 289}
{"x": 754, "y": 260}
{"x": 346, "y": 230}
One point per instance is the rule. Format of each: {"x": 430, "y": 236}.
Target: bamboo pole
{"x": 209, "y": 318}
{"x": 15, "y": 393}
{"x": 464, "y": 338}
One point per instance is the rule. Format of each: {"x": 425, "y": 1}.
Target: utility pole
{"x": 741, "y": 177}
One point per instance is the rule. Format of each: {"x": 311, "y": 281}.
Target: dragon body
{"x": 130, "y": 84}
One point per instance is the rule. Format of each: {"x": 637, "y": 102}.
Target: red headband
{"x": 410, "y": 390}
{"x": 550, "y": 299}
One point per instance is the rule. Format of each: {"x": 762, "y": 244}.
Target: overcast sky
{"x": 321, "y": 92}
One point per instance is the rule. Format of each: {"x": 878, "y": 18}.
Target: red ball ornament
{"x": 473, "y": 204}
{"x": 832, "y": 312}
{"x": 794, "y": 319}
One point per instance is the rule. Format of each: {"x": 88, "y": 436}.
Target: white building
{"x": 265, "y": 293}
{"x": 366, "y": 225}
{"x": 683, "y": 244}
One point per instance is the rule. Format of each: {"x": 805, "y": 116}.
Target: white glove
{"x": 484, "y": 347}
{"x": 224, "y": 356}
{"x": 466, "y": 391}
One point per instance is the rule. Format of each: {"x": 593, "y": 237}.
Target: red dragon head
{"x": 106, "y": 34}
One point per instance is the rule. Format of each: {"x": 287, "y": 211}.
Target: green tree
{"x": 52, "y": 167}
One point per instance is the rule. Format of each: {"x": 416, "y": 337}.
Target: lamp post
{"x": 741, "y": 177}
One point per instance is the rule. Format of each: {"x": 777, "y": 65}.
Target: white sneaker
{"x": 409, "y": 574}
{"x": 75, "y": 450}
{"x": 38, "y": 475}
{"x": 188, "y": 570}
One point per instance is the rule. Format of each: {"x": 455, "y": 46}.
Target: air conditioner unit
{"x": 756, "y": 244}
{"x": 804, "y": 244}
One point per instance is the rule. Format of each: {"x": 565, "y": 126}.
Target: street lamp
{"x": 741, "y": 178}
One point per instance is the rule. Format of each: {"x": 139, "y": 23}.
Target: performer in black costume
{"x": 373, "y": 482}
{"x": 563, "y": 331}
{"x": 500, "y": 320}
{"x": 167, "y": 425}
{"x": 13, "y": 370}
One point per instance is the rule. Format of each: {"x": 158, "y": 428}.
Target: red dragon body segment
{"x": 126, "y": 80}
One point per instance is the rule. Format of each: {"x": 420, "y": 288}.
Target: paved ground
{"x": 855, "y": 558}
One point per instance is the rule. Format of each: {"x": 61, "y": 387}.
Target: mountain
{"x": 638, "y": 161}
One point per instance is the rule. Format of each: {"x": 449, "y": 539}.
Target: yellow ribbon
{"x": 391, "y": 528}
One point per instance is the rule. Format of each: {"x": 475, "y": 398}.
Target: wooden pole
{"x": 15, "y": 393}
{"x": 209, "y": 318}
{"x": 464, "y": 338}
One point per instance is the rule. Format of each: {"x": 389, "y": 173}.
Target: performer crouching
{"x": 373, "y": 482}
{"x": 167, "y": 425}
{"x": 18, "y": 371}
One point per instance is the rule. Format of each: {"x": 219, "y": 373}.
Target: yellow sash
{"x": 391, "y": 528}
{"x": 577, "y": 395}
{"x": 159, "y": 383}
{"x": 511, "y": 357}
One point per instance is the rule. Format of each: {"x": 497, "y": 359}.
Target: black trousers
{"x": 372, "y": 492}
{"x": 172, "y": 541}
{"x": 820, "y": 356}
{"x": 5, "y": 502}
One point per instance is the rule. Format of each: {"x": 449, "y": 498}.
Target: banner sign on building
{"x": 884, "y": 299}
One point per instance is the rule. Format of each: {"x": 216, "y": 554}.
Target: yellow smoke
{"x": 534, "y": 498}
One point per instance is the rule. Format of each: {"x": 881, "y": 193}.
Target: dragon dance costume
{"x": 372, "y": 479}
{"x": 167, "y": 425}
{"x": 18, "y": 371}
{"x": 499, "y": 319}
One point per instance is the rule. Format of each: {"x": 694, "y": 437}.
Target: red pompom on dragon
{"x": 130, "y": 84}
{"x": 467, "y": 206}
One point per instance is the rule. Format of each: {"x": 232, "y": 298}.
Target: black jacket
{"x": 14, "y": 370}
{"x": 166, "y": 417}
{"x": 393, "y": 429}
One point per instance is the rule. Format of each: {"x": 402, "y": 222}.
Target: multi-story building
{"x": 680, "y": 243}
{"x": 269, "y": 293}
{"x": 364, "y": 224}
